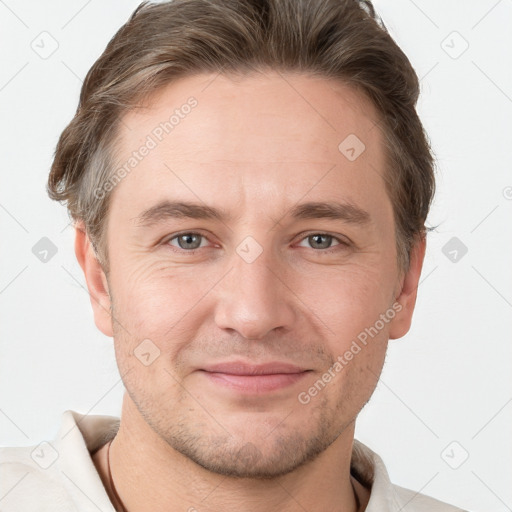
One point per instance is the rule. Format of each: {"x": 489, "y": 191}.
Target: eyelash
{"x": 341, "y": 243}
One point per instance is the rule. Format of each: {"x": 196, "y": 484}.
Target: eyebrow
{"x": 331, "y": 210}
{"x": 312, "y": 210}
{"x": 180, "y": 210}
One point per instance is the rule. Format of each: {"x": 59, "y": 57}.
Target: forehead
{"x": 290, "y": 108}
{"x": 269, "y": 133}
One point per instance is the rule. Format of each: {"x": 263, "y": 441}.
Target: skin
{"x": 255, "y": 146}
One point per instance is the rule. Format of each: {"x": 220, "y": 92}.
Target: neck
{"x": 150, "y": 475}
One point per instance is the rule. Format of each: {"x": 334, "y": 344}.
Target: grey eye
{"x": 188, "y": 241}
{"x": 320, "y": 241}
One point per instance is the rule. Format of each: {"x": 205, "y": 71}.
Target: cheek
{"x": 161, "y": 303}
{"x": 358, "y": 311}
{"x": 362, "y": 371}
{"x": 347, "y": 299}
{"x": 154, "y": 290}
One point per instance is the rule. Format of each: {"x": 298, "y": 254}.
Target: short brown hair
{"x": 340, "y": 39}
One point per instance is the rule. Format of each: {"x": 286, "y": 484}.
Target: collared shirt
{"x": 60, "y": 475}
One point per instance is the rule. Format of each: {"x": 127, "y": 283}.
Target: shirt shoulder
{"x": 26, "y": 486}
{"x": 412, "y": 501}
{"x": 58, "y": 475}
{"x": 369, "y": 469}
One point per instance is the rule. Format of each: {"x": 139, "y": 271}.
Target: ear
{"x": 96, "y": 280}
{"x": 406, "y": 297}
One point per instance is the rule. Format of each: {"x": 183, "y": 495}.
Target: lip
{"x": 254, "y": 379}
{"x": 243, "y": 368}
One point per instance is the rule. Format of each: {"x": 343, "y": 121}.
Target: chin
{"x": 273, "y": 454}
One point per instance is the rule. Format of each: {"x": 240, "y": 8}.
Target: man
{"x": 250, "y": 183}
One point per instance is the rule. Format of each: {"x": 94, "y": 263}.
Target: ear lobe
{"x": 96, "y": 280}
{"x": 401, "y": 323}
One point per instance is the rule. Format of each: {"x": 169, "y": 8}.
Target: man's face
{"x": 268, "y": 281}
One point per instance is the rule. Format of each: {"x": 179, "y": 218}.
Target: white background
{"x": 448, "y": 380}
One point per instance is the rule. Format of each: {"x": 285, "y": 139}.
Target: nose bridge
{"x": 252, "y": 299}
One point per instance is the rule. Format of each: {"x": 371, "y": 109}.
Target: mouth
{"x": 254, "y": 379}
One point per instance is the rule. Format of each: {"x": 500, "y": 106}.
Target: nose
{"x": 253, "y": 298}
